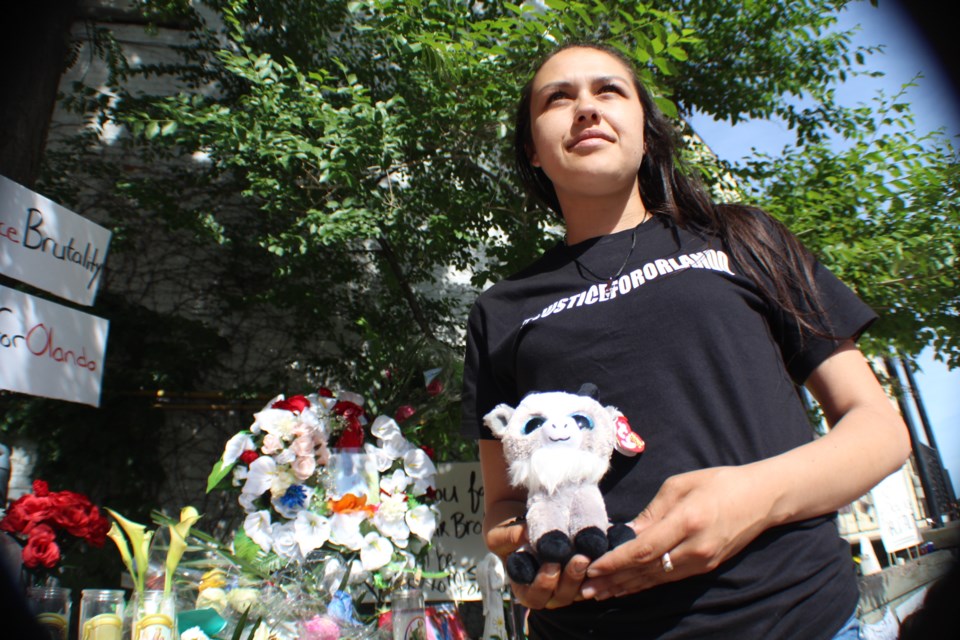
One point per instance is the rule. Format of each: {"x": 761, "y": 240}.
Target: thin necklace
{"x": 608, "y": 282}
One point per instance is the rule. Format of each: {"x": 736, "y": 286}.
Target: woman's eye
{"x": 583, "y": 421}
{"x": 611, "y": 88}
{"x": 533, "y": 424}
{"x": 556, "y": 95}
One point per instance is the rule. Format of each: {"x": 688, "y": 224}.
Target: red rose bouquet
{"x": 37, "y": 519}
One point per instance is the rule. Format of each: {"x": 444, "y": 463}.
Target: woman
{"x": 696, "y": 321}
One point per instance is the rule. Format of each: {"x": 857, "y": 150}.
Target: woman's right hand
{"x": 505, "y": 532}
{"x": 552, "y": 587}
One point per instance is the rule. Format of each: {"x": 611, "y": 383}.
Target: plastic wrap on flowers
{"x": 333, "y": 501}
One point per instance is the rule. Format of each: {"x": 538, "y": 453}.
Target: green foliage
{"x": 881, "y": 207}
{"x": 311, "y": 193}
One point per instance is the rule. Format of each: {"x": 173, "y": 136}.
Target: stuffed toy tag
{"x": 628, "y": 442}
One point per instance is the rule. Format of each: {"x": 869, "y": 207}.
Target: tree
{"x": 313, "y": 192}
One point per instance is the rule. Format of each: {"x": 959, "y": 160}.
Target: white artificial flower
{"x": 194, "y": 633}
{"x": 312, "y": 531}
{"x": 358, "y": 575}
{"x": 422, "y": 521}
{"x": 248, "y": 502}
{"x": 212, "y": 598}
{"x": 375, "y": 552}
{"x": 383, "y": 427}
{"x": 281, "y": 481}
{"x": 350, "y": 396}
{"x": 235, "y": 446}
{"x": 390, "y": 518}
{"x": 285, "y": 541}
{"x": 396, "y": 482}
{"x": 345, "y": 529}
{"x": 278, "y": 422}
{"x": 257, "y": 527}
{"x": 380, "y": 458}
{"x": 395, "y": 445}
{"x": 239, "y": 475}
{"x": 290, "y": 511}
{"x": 418, "y": 464}
{"x": 260, "y": 477}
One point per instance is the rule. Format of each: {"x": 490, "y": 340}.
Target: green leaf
{"x": 218, "y": 474}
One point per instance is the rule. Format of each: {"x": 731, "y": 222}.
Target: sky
{"x": 906, "y": 54}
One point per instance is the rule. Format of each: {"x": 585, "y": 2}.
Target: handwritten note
{"x": 458, "y": 543}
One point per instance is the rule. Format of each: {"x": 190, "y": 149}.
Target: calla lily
{"x": 139, "y": 539}
{"x": 178, "y": 543}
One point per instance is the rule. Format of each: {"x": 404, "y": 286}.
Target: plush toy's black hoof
{"x": 591, "y": 542}
{"x": 620, "y": 533}
{"x": 522, "y": 567}
{"x": 555, "y": 546}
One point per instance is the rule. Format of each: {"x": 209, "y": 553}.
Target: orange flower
{"x": 350, "y": 503}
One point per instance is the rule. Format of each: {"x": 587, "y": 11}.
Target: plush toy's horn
{"x": 590, "y": 390}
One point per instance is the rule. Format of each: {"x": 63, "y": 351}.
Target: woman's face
{"x": 586, "y": 123}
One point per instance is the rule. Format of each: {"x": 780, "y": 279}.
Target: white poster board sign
{"x": 49, "y": 350}
{"x": 898, "y": 528}
{"x": 458, "y": 543}
{"x": 48, "y": 246}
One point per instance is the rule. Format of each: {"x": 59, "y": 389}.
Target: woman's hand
{"x": 700, "y": 518}
{"x": 551, "y": 587}
{"x": 704, "y": 517}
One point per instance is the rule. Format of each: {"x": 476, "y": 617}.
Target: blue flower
{"x": 295, "y": 496}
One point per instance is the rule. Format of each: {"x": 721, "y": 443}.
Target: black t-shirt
{"x": 704, "y": 368}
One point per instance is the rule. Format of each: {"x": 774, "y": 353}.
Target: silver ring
{"x": 666, "y": 563}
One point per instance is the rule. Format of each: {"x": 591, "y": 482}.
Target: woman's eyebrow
{"x": 566, "y": 84}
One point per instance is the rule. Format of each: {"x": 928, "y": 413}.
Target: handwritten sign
{"x": 48, "y": 246}
{"x": 458, "y": 545}
{"x": 898, "y": 528}
{"x": 50, "y": 350}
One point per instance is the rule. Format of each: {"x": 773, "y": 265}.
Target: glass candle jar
{"x": 51, "y": 607}
{"x": 101, "y": 614}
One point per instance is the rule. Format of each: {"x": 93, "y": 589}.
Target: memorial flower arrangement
{"x": 45, "y": 521}
{"x": 331, "y": 497}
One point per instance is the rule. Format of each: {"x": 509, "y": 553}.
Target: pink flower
{"x": 303, "y": 467}
{"x": 271, "y": 444}
{"x": 319, "y": 628}
{"x": 303, "y": 446}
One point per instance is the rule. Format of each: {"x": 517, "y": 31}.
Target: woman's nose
{"x": 588, "y": 111}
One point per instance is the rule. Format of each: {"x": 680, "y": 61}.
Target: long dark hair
{"x": 768, "y": 253}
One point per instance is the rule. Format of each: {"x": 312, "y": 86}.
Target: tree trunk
{"x": 34, "y": 37}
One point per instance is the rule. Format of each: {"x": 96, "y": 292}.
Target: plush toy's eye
{"x": 533, "y": 424}
{"x": 582, "y": 421}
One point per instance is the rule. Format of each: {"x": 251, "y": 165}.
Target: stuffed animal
{"x": 558, "y": 446}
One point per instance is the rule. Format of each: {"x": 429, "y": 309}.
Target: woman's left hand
{"x": 700, "y": 518}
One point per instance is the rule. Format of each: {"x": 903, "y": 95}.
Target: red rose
{"x": 352, "y": 436}
{"x": 97, "y": 532}
{"x": 248, "y": 456}
{"x": 323, "y": 392}
{"x": 25, "y": 513}
{"x": 404, "y": 412}
{"x": 41, "y": 548}
{"x": 296, "y": 404}
{"x": 435, "y": 387}
{"x": 74, "y": 513}
{"x": 347, "y": 409}
{"x": 40, "y": 488}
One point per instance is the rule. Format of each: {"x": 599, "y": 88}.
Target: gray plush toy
{"x": 558, "y": 446}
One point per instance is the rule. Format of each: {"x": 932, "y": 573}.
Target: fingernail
{"x": 551, "y": 570}
{"x": 579, "y": 567}
{"x": 588, "y": 592}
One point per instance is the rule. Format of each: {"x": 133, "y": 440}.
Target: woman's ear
{"x": 532, "y": 155}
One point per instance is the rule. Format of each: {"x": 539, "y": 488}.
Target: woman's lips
{"x": 589, "y": 138}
